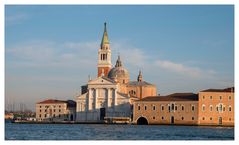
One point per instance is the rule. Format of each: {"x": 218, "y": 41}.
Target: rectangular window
{"x": 138, "y": 107}
{"x": 40, "y": 110}
{"x": 203, "y": 97}
{"x": 182, "y": 108}
{"x": 168, "y": 108}
{"x": 162, "y": 107}
{"x": 220, "y": 97}
{"x": 45, "y": 115}
{"x": 176, "y": 108}
{"x": 59, "y": 110}
{"x": 40, "y": 115}
{"x": 192, "y": 118}
{"x": 229, "y": 97}
{"x": 211, "y": 97}
{"x": 40, "y": 106}
{"x": 145, "y": 107}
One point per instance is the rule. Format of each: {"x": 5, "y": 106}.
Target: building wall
{"x": 216, "y": 107}
{"x": 157, "y": 112}
{"x": 99, "y": 96}
{"x": 51, "y": 112}
{"x": 105, "y": 70}
{"x": 142, "y": 91}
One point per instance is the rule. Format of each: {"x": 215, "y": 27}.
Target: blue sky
{"x": 50, "y": 50}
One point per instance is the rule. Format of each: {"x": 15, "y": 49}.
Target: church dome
{"x": 119, "y": 73}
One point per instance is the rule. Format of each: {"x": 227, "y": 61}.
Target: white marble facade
{"x": 102, "y": 100}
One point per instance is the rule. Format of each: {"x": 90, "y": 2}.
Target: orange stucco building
{"x": 178, "y": 108}
{"x": 208, "y": 107}
{"x": 216, "y": 107}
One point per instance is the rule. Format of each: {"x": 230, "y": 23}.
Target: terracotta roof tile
{"x": 70, "y": 103}
{"x": 173, "y": 97}
{"x": 220, "y": 90}
{"x": 51, "y": 101}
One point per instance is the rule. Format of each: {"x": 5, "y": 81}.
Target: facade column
{"x": 115, "y": 97}
{"x": 108, "y": 97}
{"x": 89, "y": 100}
{"x": 96, "y": 98}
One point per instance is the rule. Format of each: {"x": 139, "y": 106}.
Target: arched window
{"x": 182, "y": 108}
{"x": 203, "y": 107}
{"x": 220, "y": 108}
{"x": 229, "y": 108}
{"x": 172, "y": 107}
{"x": 210, "y": 107}
{"x": 154, "y": 107}
{"x": 192, "y": 107}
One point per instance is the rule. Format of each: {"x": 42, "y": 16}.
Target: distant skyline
{"x": 50, "y": 50}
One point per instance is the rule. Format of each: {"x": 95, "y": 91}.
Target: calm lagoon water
{"x": 114, "y": 132}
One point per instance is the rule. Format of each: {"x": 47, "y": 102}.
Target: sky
{"x": 50, "y": 50}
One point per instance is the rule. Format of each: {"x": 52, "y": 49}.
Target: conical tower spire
{"x": 140, "y": 76}
{"x": 105, "y": 39}
{"x": 118, "y": 62}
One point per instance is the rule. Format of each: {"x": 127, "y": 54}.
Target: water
{"x": 114, "y": 132}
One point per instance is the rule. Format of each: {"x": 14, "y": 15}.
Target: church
{"x": 111, "y": 94}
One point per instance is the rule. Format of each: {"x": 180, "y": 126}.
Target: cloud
{"x": 40, "y": 54}
{"x": 137, "y": 58}
{"x": 131, "y": 56}
{"x": 180, "y": 68}
{"x": 16, "y": 18}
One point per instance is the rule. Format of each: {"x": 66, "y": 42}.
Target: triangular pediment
{"x": 102, "y": 81}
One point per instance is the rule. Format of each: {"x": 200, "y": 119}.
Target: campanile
{"x": 104, "y": 55}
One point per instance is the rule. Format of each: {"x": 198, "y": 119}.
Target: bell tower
{"x": 104, "y": 55}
